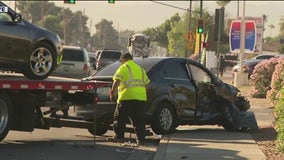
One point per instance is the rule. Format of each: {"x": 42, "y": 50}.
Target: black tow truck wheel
{"x": 6, "y": 115}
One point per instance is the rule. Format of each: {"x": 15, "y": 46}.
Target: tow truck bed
{"x": 18, "y": 81}
{"x": 27, "y": 104}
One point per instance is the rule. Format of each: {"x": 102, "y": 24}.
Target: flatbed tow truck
{"x": 28, "y": 104}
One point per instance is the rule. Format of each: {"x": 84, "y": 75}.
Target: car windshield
{"x": 110, "y": 54}
{"x": 72, "y": 55}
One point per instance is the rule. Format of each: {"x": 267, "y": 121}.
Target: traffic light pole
{"x": 200, "y": 34}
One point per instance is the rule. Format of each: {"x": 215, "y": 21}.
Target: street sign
{"x": 235, "y": 36}
{"x": 190, "y": 46}
{"x": 190, "y": 36}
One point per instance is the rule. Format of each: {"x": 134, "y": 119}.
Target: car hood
{"x": 227, "y": 91}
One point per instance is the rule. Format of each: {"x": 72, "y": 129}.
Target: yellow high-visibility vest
{"x": 133, "y": 81}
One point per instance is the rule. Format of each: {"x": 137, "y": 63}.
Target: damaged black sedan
{"x": 181, "y": 92}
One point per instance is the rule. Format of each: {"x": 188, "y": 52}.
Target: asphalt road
{"x": 71, "y": 144}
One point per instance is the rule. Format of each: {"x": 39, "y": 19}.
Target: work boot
{"x": 140, "y": 142}
{"x": 115, "y": 139}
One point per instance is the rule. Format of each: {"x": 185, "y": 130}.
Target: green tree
{"x": 281, "y": 27}
{"x": 53, "y": 23}
{"x": 123, "y": 39}
{"x": 106, "y": 36}
{"x": 222, "y": 3}
{"x": 72, "y": 27}
{"x": 159, "y": 35}
{"x": 35, "y": 11}
{"x": 177, "y": 42}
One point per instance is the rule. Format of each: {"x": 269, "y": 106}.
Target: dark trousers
{"x": 133, "y": 109}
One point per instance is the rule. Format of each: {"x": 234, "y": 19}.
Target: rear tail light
{"x": 96, "y": 99}
{"x": 85, "y": 68}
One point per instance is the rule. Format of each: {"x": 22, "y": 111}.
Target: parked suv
{"x": 106, "y": 57}
{"x": 75, "y": 63}
{"x": 26, "y": 48}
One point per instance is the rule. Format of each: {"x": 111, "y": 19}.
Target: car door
{"x": 206, "y": 94}
{"x": 180, "y": 88}
{"x": 13, "y": 36}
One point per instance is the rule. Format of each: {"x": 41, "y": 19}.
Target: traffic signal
{"x": 200, "y": 25}
{"x": 205, "y": 45}
{"x": 219, "y": 24}
{"x": 111, "y": 1}
{"x": 69, "y": 1}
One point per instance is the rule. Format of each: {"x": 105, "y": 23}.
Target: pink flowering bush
{"x": 260, "y": 79}
{"x": 277, "y": 81}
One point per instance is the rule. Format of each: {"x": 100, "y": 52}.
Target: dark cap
{"x": 127, "y": 56}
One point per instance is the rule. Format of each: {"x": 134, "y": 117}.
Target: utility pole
{"x": 187, "y": 51}
{"x": 42, "y": 13}
{"x": 91, "y": 26}
{"x": 64, "y": 25}
{"x": 15, "y": 9}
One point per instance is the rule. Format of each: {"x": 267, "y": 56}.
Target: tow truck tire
{"x": 42, "y": 62}
{"x": 6, "y": 115}
{"x": 101, "y": 129}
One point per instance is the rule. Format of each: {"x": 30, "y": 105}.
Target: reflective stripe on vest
{"x": 133, "y": 82}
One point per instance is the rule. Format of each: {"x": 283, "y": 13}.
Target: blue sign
{"x": 235, "y": 36}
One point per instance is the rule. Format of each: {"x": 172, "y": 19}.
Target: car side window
{"x": 199, "y": 75}
{"x": 175, "y": 70}
{"x": 5, "y": 17}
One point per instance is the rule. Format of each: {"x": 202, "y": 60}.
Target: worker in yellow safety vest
{"x": 131, "y": 80}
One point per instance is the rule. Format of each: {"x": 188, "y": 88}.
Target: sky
{"x": 140, "y": 15}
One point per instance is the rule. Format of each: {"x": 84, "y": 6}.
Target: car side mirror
{"x": 18, "y": 18}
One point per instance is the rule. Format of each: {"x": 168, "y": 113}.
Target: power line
{"x": 173, "y": 6}
{"x": 169, "y": 5}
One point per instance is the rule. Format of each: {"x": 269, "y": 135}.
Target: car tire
{"x": 100, "y": 130}
{"x": 229, "y": 121}
{"x": 164, "y": 121}
{"x": 42, "y": 62}
{"x": 6, "y": 116}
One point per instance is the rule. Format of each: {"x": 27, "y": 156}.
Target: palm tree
{"x": 222, "y": 3}
{"x": 271, "y": 26}
{"x": 281, "y": 26}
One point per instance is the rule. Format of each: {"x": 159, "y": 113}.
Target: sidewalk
{"x": 208, "y": 143}
{"x": 213, "y": 142}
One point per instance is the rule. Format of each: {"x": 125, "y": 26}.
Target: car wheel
{"x": 164, "y": 120}
{"x": 6, "y": 116}
{"x": 101, "y": 129}
{"x": 42, "y": 62}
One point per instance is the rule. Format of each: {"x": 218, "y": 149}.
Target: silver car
{"x": 75, "y": 63}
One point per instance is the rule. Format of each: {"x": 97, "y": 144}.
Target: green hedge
{"x": 279, "y": 112}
